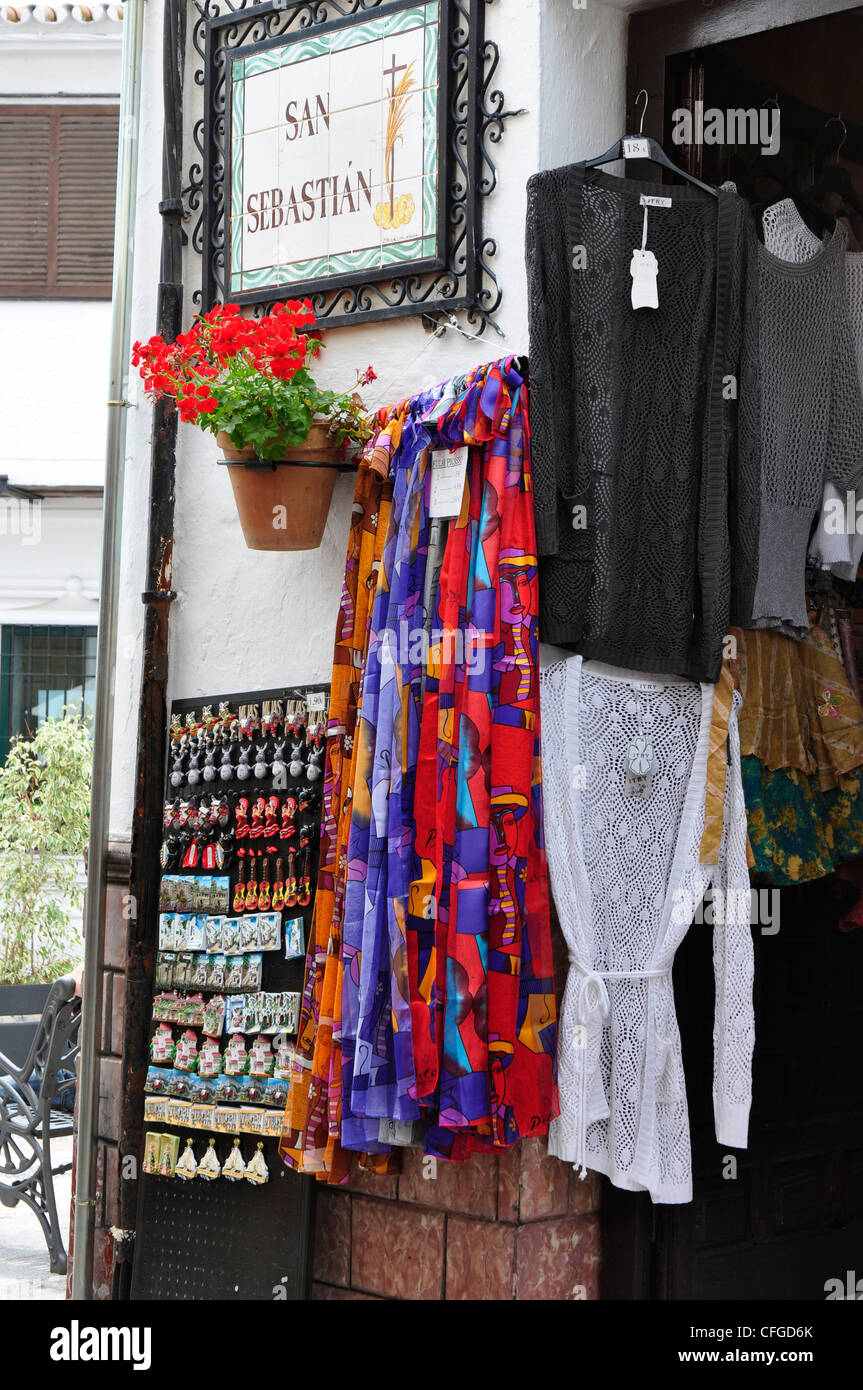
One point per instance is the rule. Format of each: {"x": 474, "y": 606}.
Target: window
{"x": 58, "y": 176}
{"x": 41, "y": 670}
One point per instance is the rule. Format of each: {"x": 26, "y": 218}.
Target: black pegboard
{"x": 198, "y": 1241}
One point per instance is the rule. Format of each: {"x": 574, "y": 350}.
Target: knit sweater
{"x": 629, "y": 421}
{"x": 627, "y": 879}
{"x": 787, "y": 236}
{"x": 798, "y": 341}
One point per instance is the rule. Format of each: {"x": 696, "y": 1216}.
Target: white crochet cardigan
{"x": 626, "y": 880}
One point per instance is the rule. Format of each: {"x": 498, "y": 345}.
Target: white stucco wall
{"x": 53, "y": 366}
{"x": 245, "y": 619}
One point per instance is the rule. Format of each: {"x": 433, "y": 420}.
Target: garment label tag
{"x": 650, "y": 200}
{"x": 636, "y": 147}
{"x": 640, "y": 767}
{"x": 402, "y": 1133}
{"x": 644, "y": 270}
{"x": 638, "y": 786}
{"x": 447, "y": 482}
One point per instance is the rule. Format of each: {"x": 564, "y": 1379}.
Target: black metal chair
{"x": 29, "y": 1124}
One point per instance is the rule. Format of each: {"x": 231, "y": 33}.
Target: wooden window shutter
{"x": 58, "y": 176}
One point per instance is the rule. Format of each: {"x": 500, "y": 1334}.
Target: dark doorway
{"x": 792, "y": 1217}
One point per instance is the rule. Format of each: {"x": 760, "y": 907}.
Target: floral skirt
{"x": 799, "y": 832}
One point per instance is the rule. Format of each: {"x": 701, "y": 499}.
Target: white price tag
{"x": 636, "y": 147}
{"x": 316, "y": 700}
{"x": 447, "y": 481}
{"x": 644, "y": 269}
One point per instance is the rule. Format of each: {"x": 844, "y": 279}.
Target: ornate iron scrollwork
{"x": 474, "y": 123}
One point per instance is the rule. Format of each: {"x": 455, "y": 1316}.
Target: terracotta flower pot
{"x": 284, "y": 507}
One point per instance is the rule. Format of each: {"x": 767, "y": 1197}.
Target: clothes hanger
{"x": 774, "y": 168}
{"x": 834, "y": 177}
{"x": 643, "y": 146}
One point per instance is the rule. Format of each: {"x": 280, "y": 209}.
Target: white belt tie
{"x": 592, "y": 1006}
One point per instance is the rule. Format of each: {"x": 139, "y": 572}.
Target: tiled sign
{"x": 334, "y": 153}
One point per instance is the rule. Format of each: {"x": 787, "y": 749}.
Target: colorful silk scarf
{"x": 428, "y": 989}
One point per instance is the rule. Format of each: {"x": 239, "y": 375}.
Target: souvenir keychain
{"x": 271, "y": 823}
{"x": 209, "y": 1167}
{"x": 261, "y": 758}
{"x": 226, "y": 768}
{"x": 296, "y": 765}
{"x": 278, "y": 899}
{"x": 256, "y": 828}
{"x": 241, "y": 817}
{"x": 251, "y": 887}
{"x": 277, "y": 766}
{"x": 186, "y": 1167}
{"x": 314, "y": 759}
{"x": 288, "y": 827}
{"x": 304, "y": 891}
{"x": 234, "y": 1168}
{"x": 290, "y": 883}
{"x": 209, "y": 773}
{"x": 193, "y": 774}
{"x": 264, "y": 889}
{"x": 177, "y": 774}
{"x": 256, "y": 1169}
{"x": 239, "y": 902}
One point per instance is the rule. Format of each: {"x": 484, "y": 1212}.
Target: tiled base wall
{"x": 522, "y": 1226}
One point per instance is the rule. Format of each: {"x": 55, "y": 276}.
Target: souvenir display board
{"x": 238, "y": 867}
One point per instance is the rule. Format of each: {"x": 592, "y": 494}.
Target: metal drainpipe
{"x": 152, "y": 718}
{"x": 103, "y": 720}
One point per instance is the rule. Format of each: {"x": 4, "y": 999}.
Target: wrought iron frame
{"x": 471, "y": 120}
